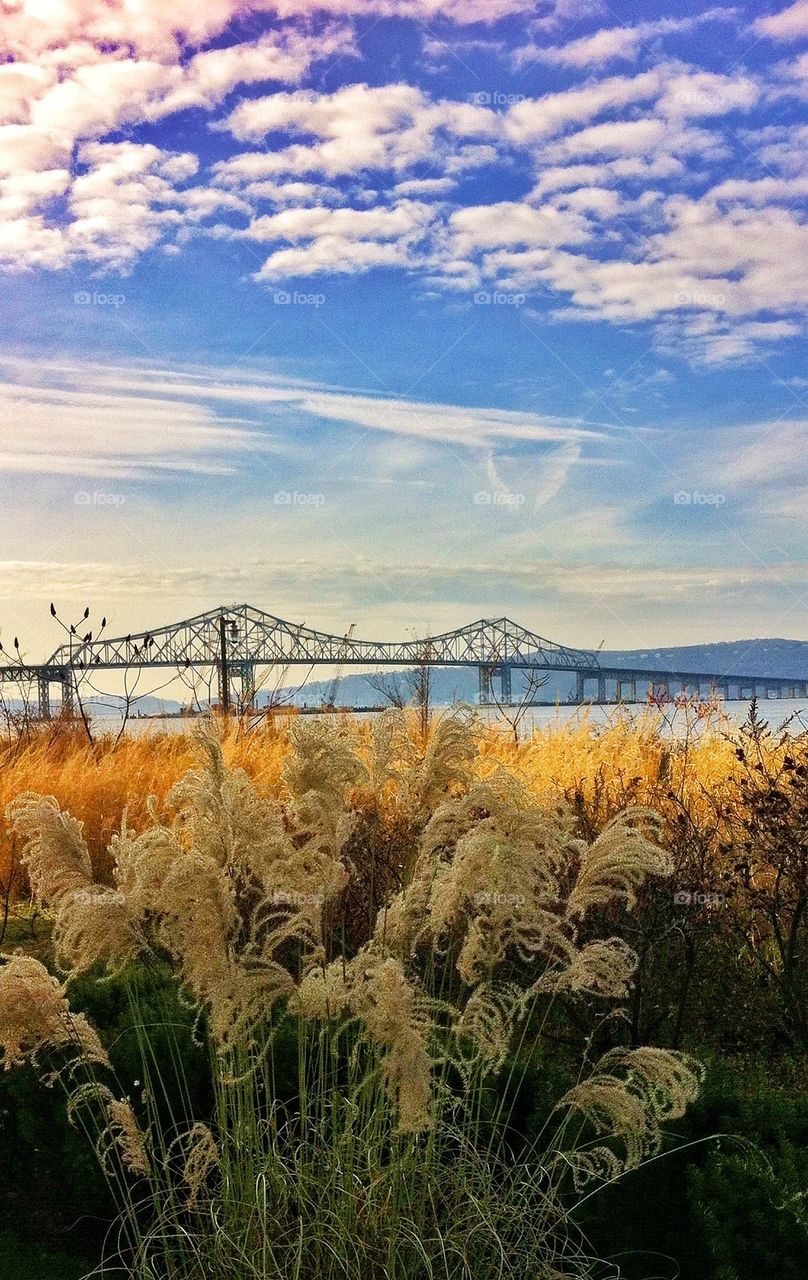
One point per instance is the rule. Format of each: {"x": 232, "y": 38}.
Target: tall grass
{"x": 363, "y": 1085}
{"x": 601, "y": 768}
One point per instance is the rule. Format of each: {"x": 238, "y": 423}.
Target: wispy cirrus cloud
{"x": 116, "y": 421}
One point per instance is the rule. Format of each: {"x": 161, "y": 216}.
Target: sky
{"x": 405, "y": 313}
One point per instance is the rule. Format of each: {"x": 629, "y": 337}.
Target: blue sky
{"x": 405, "y": 313}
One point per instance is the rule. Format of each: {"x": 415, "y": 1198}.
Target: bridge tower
{"x": 501, "y": 671}
{"x": 43, "y": 696}
{"x": 245, "y": 673}
{"x": 506, "y": 695}
{"x": 47, "y": 676}
{"x": 485, "y": 673}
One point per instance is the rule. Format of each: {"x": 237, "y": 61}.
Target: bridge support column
{"x": 485, "y": 685}
{"x": 580, "y": 683}
{"x": 601, "y": 688}
{"x": 224, "y": 688}
{"x": 506, "y": 695}
{"x": 245, "y": 671}
{"x": 68, "y": 699}
{"x": 43, "y": 698}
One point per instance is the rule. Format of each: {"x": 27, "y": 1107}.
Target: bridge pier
{"x": 506, "y": 695}
{"x": 501, "y": 672}
{"x": 47, "y": 677}
{"x": 245, "y": 671}
{"x": 484, "y": 674}
{"x": 43, "y": 697}
{"x": 620, "y": 687}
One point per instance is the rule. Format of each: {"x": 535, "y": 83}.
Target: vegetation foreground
{"x": 398, "y": 999}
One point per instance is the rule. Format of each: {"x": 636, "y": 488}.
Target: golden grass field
{"x": 598, "y": 769}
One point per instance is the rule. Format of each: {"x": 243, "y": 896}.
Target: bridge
{"x": 236, "y": 641}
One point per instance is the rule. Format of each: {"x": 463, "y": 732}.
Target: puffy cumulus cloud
{"x": 343, "y": 241}
{"x": 712, "y": 340}
{"x": 534, "y": 119}
{"x": 121, "y": 201}
{"x": 151, "y": 29}
{"x": 124, "y": 200}
{"x": 783, "y": 148}
{"x": 587, "y": 206}
{"x": 100, "y": 95}
{"x": 554, "y": 14}
{"x": 491, "y": 226}
{"x": 146, "y": 27}
{"x": 86, "y": 92}
{"x": 723, "y": 276}
{"x": 26, "y": 148}
{"x": 705, "y": 271}
{"x": 95, "y": 68}
{"x": 355, "y": 129}
{"x": 614, "y": 44}
{"x": 793, "y": 77}
{"x": 788, "y": 24}
{"x": 690, "y": 93}
{"x": 568, "y": 177}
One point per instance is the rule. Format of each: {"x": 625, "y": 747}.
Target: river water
{"x": 788, "y": 713}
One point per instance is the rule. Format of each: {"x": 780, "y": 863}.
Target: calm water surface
{"x": 789, "y": 713}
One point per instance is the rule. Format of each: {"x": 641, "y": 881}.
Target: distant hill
{"x": 770, "y": 657}
{"x": 742, "y": 657}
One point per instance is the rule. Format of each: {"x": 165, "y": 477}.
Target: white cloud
{"x": 66, "y": 431}
{"x": 339, "y": 240}
{"x": 538, "y": 118}
{"x": 788, "y": 24}
{"x": 614, "y": 43}
{"x": 163, "y": 395}
{"x": 492, "y": 225}
{"x": 25, "y": 147}
{"x": 425, "y": 187}
{"x": 354, "y": 129}
{"x": 601, "y": 206}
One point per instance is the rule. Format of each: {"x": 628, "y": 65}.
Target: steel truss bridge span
{"x": 234, "y": 641}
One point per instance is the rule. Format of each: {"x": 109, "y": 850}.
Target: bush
{"x": 389, "y": 1153}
